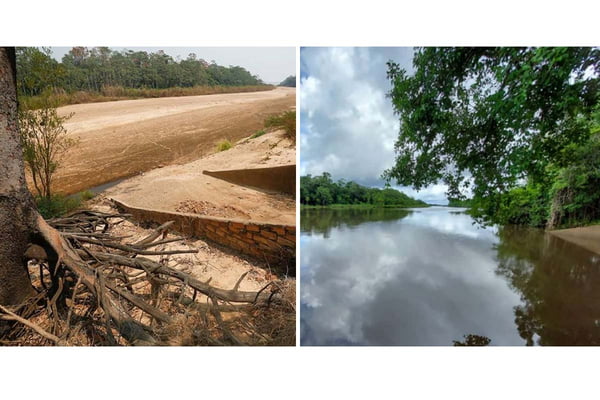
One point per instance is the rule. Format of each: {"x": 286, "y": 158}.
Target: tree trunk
{"x": 17, "y": 211}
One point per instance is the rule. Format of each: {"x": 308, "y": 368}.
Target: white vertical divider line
{"x": 298, "y": 250}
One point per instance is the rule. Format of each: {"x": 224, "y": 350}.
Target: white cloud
{"x": 348, "y": 124}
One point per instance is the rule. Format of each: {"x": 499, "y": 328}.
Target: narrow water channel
{"x": 101, "y": 188}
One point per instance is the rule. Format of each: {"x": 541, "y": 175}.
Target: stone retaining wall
{"x": 275, "y": 243}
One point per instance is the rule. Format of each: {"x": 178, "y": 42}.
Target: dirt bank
{"x": 184, "y": 188}
{"x": 587, "y": 237}
{"x": 123, "y": 138}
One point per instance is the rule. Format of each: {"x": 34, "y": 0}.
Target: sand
{"x": 587, "y": 237}
{"x": 184, "y": 188}
{"x": 124, "y": 138}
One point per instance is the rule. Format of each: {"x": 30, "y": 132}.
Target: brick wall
{"x": 275, "y": 243}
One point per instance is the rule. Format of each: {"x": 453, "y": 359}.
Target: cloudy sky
{"x": 348, "y": 127}
{"x": 271, "y": 64}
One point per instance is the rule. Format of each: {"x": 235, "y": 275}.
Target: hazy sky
{"x": 271, "y": 64}
{"x": 348, "y": 127}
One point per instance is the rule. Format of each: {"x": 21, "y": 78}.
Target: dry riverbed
{"x": 124, "y": 138}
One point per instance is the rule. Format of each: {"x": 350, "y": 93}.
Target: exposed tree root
{"x": 103, "y": 291}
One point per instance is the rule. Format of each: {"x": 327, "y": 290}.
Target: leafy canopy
{"x": 489, "y": 117}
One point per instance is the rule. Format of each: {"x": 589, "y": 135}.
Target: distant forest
{"x": 290, "y": 81}
{"x": 323, "y": 191}
{"x": 453, "y": 202}
{"x": 95, "y": 69}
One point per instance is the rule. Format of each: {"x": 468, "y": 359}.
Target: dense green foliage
{"x": 115, "y": 74}
{"x": 323, "y": 191}
{"x": 453, "y": 202}
{"x": 575, "y": 189}
{"x": 290, "y": 81}
{"x": 58, "y": 205}
{"x": 505, "y": 122}
{"x": 568, "y": 195}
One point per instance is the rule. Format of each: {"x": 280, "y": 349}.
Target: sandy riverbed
{"x": 123, "y": 138}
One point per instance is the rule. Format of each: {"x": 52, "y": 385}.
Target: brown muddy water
{"x": 430, "y": 276}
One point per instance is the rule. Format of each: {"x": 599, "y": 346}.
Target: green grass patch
{"x": 258, "y": 134}
{"x": 285, "y": 121}
{"x": 57, "y": 205}
{"x": 86, "y": 195}
{"x": 224, "y": 145}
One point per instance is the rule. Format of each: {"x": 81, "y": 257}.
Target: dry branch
{"x": 10, "y": 316}
{"x": 106, "y": 293}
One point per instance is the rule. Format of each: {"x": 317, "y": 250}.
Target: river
{"x": 430, "y": 276}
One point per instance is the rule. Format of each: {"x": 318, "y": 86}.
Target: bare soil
{"x": 185, "y": 188}
{"x": 124, "y": 138}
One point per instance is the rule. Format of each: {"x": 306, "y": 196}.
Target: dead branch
{"x": 10, "y": 316}
{"x": 132, "y": 249}
{"x": 161, "y": 230}
{"x": 107, "y": 292}
{"x": 234, "y": 296}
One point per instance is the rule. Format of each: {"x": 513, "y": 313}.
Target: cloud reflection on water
{"x": 425, "y": 279}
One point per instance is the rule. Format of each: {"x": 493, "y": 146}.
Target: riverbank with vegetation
{"x": 322, "y": 191}
{"x": 357, "y": 206}
{"x": 99, "y": 74}
{"x": 466, "y": 203}
{"x": 518, "y": 127}
{"x": 60, "y": 97}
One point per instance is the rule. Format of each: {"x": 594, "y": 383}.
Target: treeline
{"x": 454, "y": 202}
{"x": 99, "y": 69}
{"x": 323, "y": 191}
{"x": 290, "y": 81}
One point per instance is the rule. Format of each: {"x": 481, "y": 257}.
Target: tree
{"x": 323, "y": 196}
{"x": 489, "y": 118}
{"x": 290, "y": 81}
{"x": 98, "y": 69}
{"x": 37, "y": 70}
{"x": 45, "y": 141}
{"x": 17, "y": 213}
{"x": 323, "y": 191}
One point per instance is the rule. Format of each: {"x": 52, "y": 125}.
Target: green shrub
{"x": 224, "y": 145}
{"x": 86, "y": 195}
{"x": 285, "y": 121}
{"x": 258, "y": 134}
{"x": 522, "y": 205}
{"x": 57, "y": 205}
